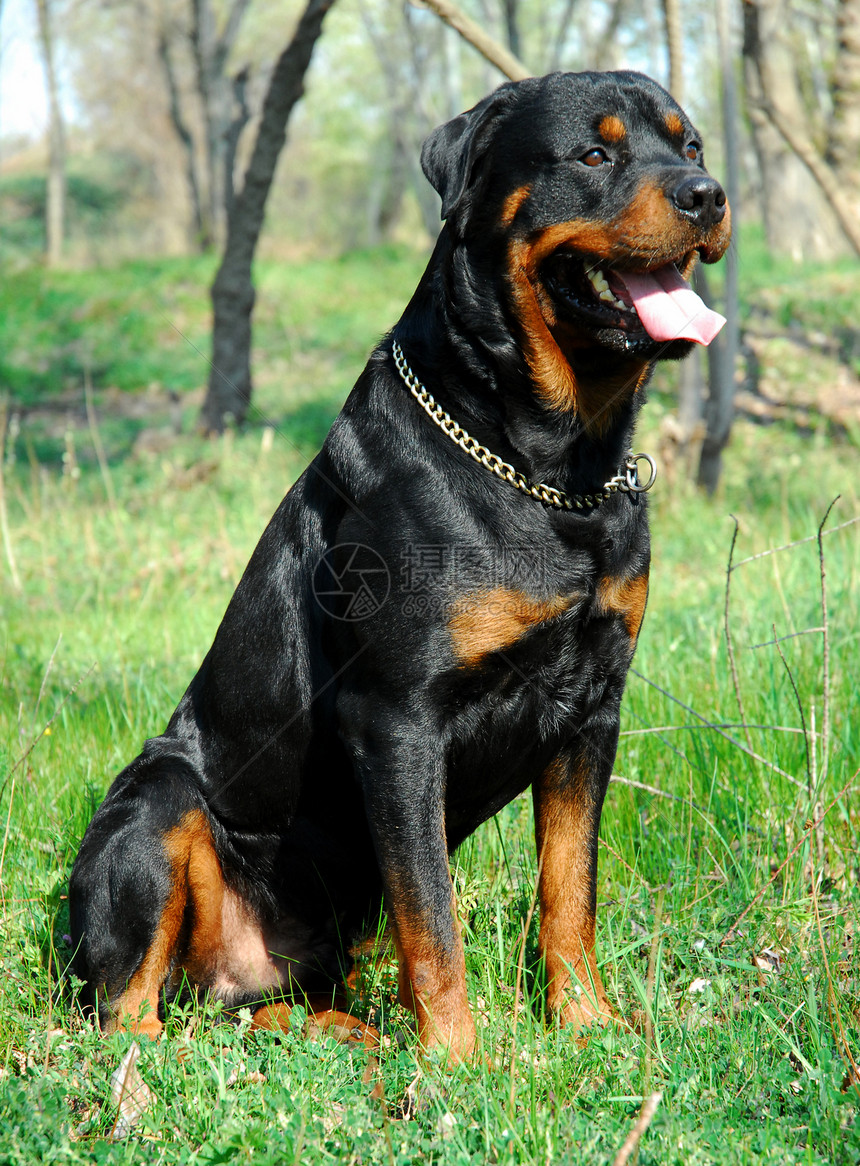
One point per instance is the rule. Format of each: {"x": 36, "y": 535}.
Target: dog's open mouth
{"x": 656, "y": 305}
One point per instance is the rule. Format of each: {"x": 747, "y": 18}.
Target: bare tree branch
{"x": 560, "y": 37}
{"x": 182, "y": 132}
{"x": 802, "y": 147}
{"x": 234, "y": 132}
{"x": 231, "y": 30}
{"x": 487, "y": 46}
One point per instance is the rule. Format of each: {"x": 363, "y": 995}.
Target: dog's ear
{"x": 449, "y": 155}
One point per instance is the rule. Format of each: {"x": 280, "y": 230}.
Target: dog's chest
{"x": 532, "y": 668}
{"x": 545, "y": 658}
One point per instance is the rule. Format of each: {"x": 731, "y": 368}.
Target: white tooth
{"x": 607, "y": 296}
{"x": 621, "y": 304}
{"x": 598, "y": 279}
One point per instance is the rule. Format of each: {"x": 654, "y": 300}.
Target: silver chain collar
{"x": 626, "y": 481}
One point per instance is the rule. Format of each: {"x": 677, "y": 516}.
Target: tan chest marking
{"x": 624, "y": 597}
{"x": 488, "y": 621}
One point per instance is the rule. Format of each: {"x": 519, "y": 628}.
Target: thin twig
{"x": 730, "y": 651}
{"x": 50, "y": 1019}
{"x": 5, "y": 841}
{"x": 710, "y": 725}
{"x": 809, "y": 765}
{"x": 643, "y": 1121}
{"x": 718, "y": 886}
{"x": 813, "y": 748}
{"x": 650, "y": 987}
{"x": 4, "y": 517}
{"x": 658, "y": 793}
{"x": 798, "y": 543}
{"x": 836, "y": 1020}
{"x": 618, "y": 858}
{"x": 788, "y": 636}
{"x": 825, "y": 632}
{"x": 665, "y": 740}
{"x": 47, "y": 673}
{"x": 519, "y": 978}
{"x": 713, "y": 725}
{"x": 730, "y": 934}
{"x": 45, "y": 727}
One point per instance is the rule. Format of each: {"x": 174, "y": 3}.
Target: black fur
{"x": 337, "y": 761}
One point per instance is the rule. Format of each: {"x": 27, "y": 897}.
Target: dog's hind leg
{"x": 145, "y": 896}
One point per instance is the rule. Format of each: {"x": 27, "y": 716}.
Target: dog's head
{"x": 582, "y": 200}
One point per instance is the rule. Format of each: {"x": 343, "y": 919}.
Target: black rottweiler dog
{"x": 444, "y": 607}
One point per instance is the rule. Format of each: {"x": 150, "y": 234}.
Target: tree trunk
{"x": 512, "y": 26}
{"x": 229, "y": 392}
{"x": 691, "y": 390}
{"x": 675, "y": 47}
{"x": 216, "y": 91}
{"x": 843, "y": 148}
{"x": 55, "y": 205}
{"x": 722, "y": 353}
{"x": 233, "y": 133}
{"x": 1, "y": 58}
{"x": 388, "y": 205}
{"x": 606, "y": 51}
{"x": 185, "y": 136}
{"x": 797, "y": 218}
{"x": 402, "y": 58}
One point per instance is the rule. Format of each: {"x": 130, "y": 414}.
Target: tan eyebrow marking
{"x": 612, "y": 128}
{"x": 674, "y": 125}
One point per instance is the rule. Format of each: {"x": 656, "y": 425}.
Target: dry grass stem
{"x": 732, "y": 931}
{"x": 4, "y": 517}
{"x": 643, "y": 1121}
{"x": 730, "y": 650}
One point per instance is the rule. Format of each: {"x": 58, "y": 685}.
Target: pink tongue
{"x": 669, "y": 308}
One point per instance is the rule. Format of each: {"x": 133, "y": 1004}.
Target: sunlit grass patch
{"x": 727, "y": 935}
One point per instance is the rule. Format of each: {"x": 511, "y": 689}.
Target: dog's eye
{"x": 693, "y": 151}
{"x": 595, "y": 157}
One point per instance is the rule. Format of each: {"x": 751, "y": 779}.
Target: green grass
{"x": 124, "y": 574}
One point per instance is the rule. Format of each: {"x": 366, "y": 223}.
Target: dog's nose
{"x": 701, "y": 199}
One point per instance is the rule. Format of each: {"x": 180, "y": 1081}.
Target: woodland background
{"x": 165, "y": 121}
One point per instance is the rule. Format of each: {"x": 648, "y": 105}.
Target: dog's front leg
{"x": 568, "y": 798}
{"x": 404, "y": 796}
